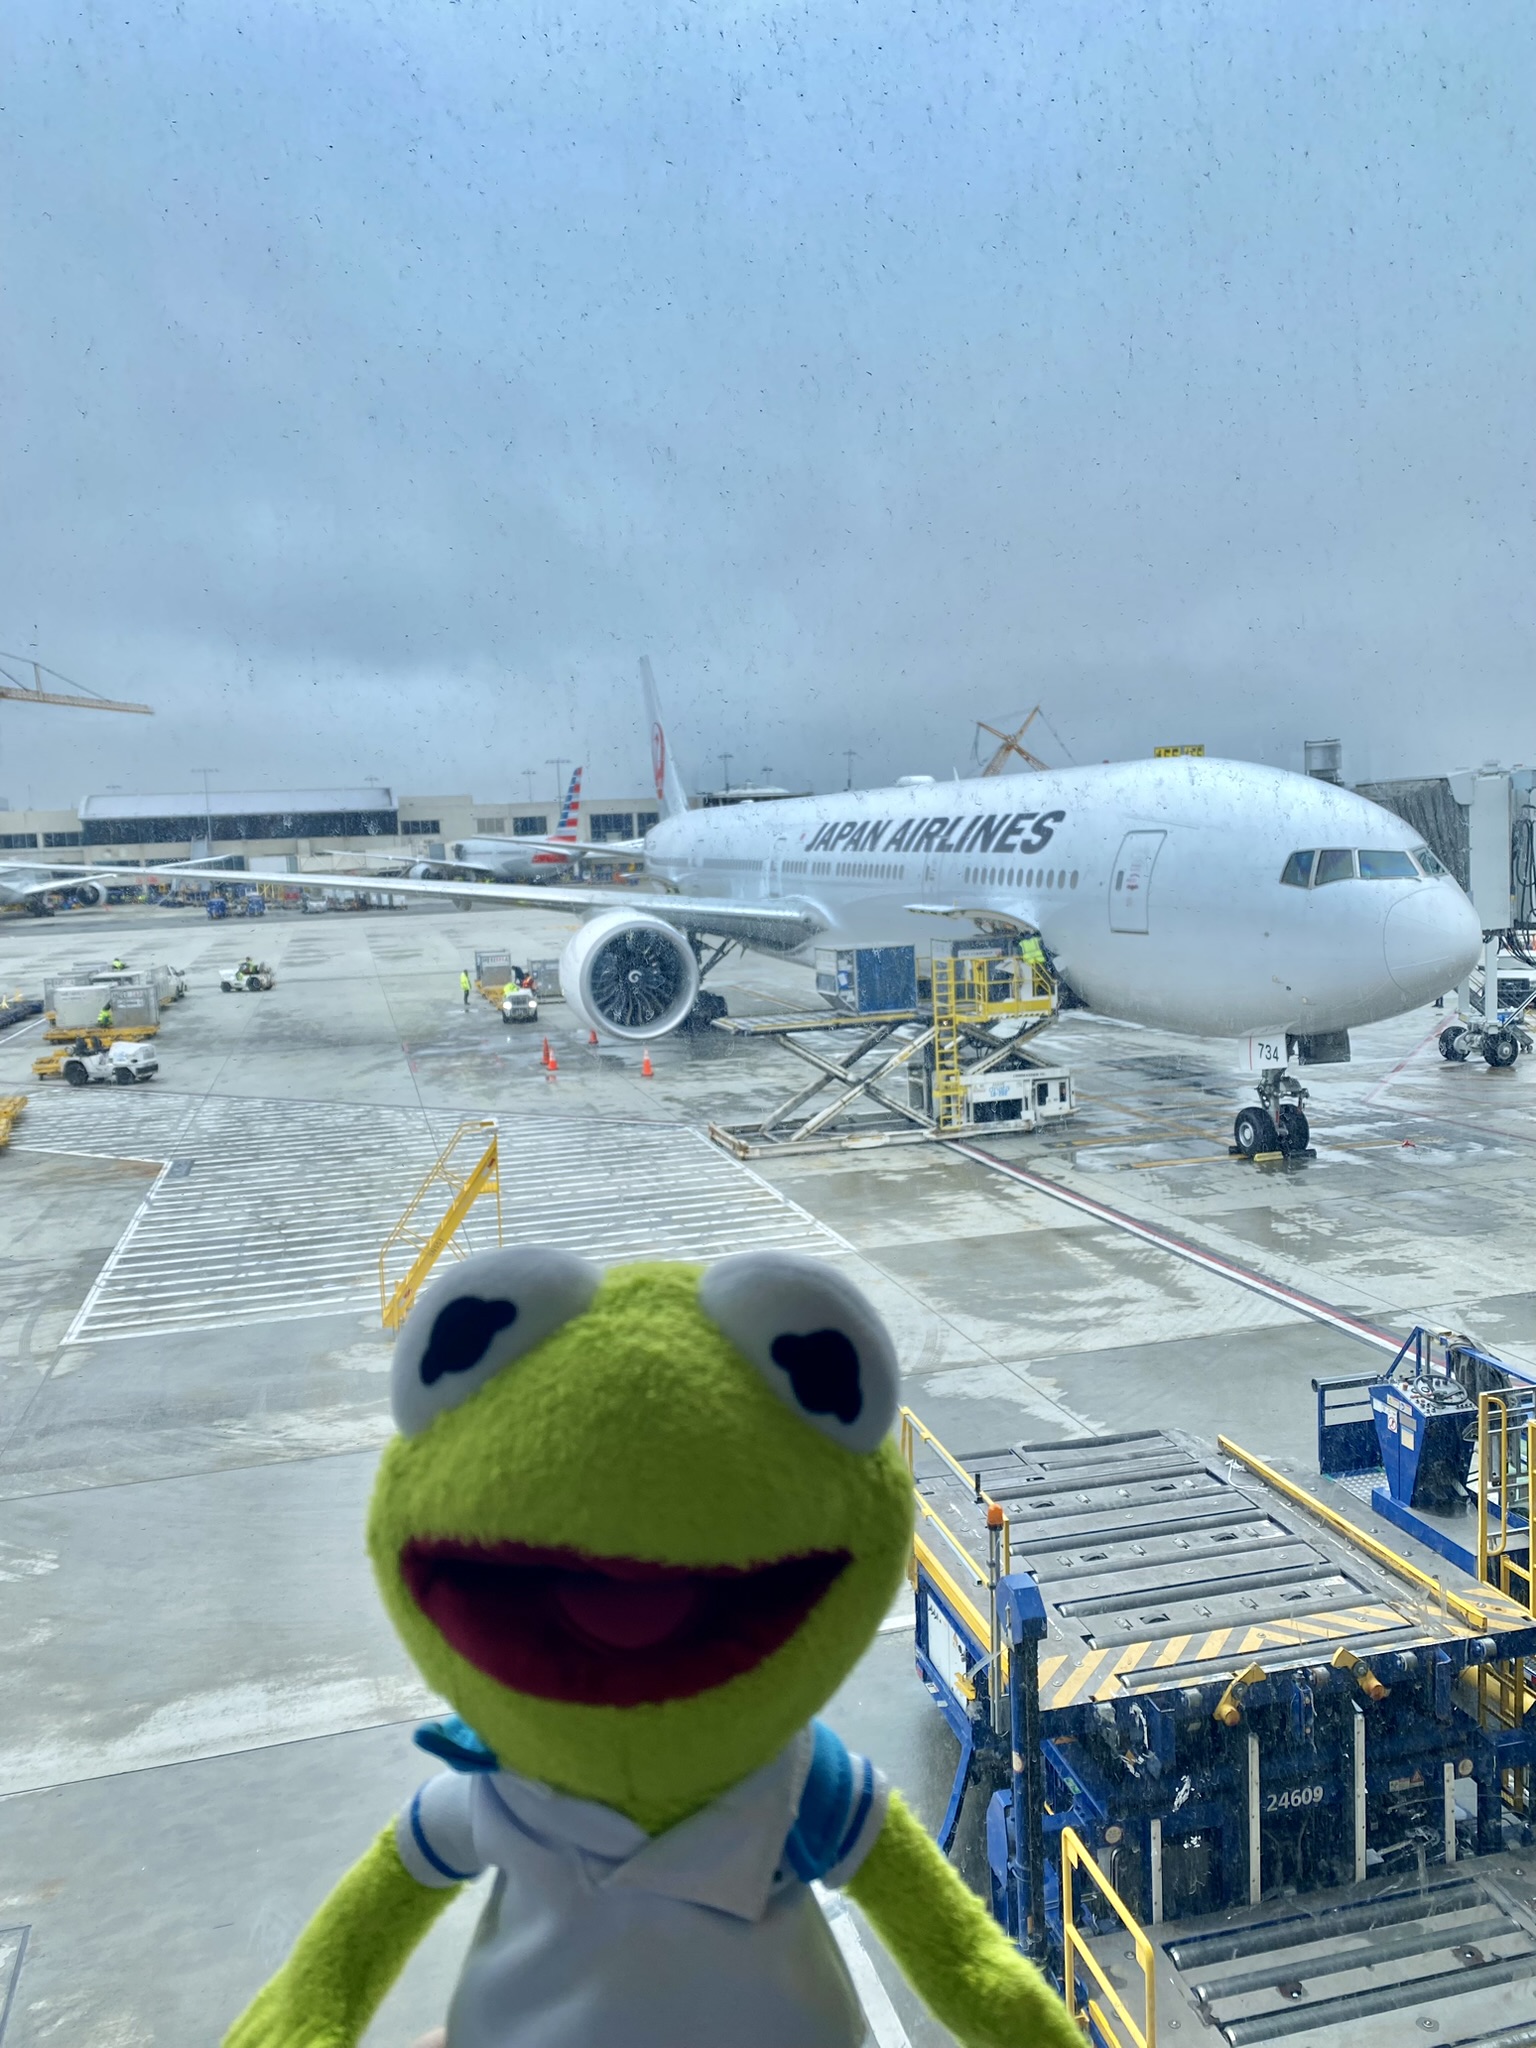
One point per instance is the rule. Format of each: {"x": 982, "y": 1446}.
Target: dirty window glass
{"x": 1386, "y": 865}
{"x": 1335, "y": 864}
{"x": 1298, "y": 870}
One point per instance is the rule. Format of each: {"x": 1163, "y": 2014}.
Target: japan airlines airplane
{"x": 1213, "y": 898}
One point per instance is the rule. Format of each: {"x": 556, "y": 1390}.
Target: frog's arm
{"x": 346, "y": 1958}
{"x": 954, "y": 1954}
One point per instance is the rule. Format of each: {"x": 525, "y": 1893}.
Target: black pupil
{"x": 823, "y": 1369}
{"x": 461, "y": 1333}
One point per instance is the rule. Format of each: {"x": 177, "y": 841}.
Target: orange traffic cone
{"x": 552, "y": 1065}
{"x": 591, "y": 1038}
{"x": 546, "y": 1055}
{"x": 648, "y": 1072}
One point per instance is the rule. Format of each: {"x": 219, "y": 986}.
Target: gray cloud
{"x": 381, "y": 379}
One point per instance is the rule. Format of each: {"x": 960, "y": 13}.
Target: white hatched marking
{"x": 270, "y": 1210}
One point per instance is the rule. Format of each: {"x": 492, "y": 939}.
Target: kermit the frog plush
{"x": 636, "y": 1529}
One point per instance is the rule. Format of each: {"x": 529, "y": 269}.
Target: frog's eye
{"x": 813, "y": 1337}
{"x": 478, "y": 1318}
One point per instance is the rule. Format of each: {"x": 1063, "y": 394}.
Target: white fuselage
{"x": 1156, "y": 886}
{"x": 504, "y": 860}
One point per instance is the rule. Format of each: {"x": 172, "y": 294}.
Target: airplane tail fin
{"x": 670, "y": 792}
{"x": 569, "y": 811}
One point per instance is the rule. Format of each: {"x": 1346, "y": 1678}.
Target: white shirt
{"x": 597, "y": 1935}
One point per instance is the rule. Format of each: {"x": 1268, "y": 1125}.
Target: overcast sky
{"x": 381, "y": 380}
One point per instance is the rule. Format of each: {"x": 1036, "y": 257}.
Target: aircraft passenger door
{"x": 773, "y": 869}
{"x": 1130, "y": 884}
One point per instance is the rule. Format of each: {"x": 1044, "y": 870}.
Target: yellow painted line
{"x": 1049, "y": 1666}
{"x": 1077, "y": 1682}
{"x": 1129, "y": 1658}
{"x": 1199, "y": 1159}
{"x": 1122, "y": 1667}
{"x": 1213, "y": 1645}
{"x": 1171, "y": 1651}
{"x": 1266, "y": 1639}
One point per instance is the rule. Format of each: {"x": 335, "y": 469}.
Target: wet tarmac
{"x": 203, "y": 1715}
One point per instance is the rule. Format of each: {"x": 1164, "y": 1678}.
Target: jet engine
{"x": 631, "y": 977}
{"x": 91, "y": 894}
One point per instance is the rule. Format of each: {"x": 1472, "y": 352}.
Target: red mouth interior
{"x": 609, "y": 1631}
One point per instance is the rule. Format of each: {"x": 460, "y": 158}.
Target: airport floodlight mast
{"x": 207, "y": 805}
{"x": 557, "y": 762}
{"x": 725, "y": 773}
{"x": 1010, "y": 745}
{"x": 850, "y": 755}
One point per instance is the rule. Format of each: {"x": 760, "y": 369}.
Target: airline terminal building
{"x": 300, "y": 824}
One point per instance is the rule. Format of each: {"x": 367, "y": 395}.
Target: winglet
{"x": 670, "y": 792}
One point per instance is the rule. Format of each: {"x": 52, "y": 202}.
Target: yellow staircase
{"x": 977, "y": 988}
{"x": 11, "y": 1107}
{"x": 462, "y": 1176}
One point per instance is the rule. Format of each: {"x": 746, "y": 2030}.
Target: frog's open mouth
{"x": 609, "y": 1631}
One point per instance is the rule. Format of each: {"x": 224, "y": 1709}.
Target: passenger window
{"x": 1335, "y": 864}
{"x": 1386, "y": 865}
{"x": 1431, "y": 863}
{"x": 1298, "y": 870}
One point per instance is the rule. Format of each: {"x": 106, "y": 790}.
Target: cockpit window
{"x": 1298, "y": 870}
{"x": 1386, "y": 865}
{"x": 1335, "y": 864}
{"x": 1431, "y": 863}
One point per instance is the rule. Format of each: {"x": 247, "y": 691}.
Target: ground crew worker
{"x": 512, "y": 986}
{"x": 104, "y": 1016}
{"x": 464, "y": 984}
{"x": 119, "y": 966}
{"x": 1032, "y": 953}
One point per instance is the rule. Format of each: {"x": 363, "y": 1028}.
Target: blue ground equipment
{"x": 869, "y": 980}
{"x": 1416, "y": 1426}
{"x": 1228, "y": 1701}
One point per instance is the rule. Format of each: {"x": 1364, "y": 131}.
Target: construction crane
{"x": 1010, "y": 745}
{"x": 77, "y": 695}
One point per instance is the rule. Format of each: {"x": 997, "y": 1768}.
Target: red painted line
{"x": 1181, "y": 1248}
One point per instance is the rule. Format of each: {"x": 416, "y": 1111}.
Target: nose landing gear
{"x": 1278, "y": 1127}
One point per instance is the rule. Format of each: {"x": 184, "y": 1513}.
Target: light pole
{"x": 207, "y": 807}
{"x": 557, "y": 762}
{"x": 725, "y": 771}
{"x": 528, "y": 774}
{"x": 850, "y": 755}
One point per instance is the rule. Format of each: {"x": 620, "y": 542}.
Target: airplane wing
{"x": 61, "y": 876}
{"x": 777, "y": 926}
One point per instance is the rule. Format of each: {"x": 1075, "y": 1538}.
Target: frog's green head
{"x": 637, "y": 1529}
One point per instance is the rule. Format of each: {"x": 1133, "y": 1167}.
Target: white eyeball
{"x": 486, "y": 1312}
{"x": 814, "y": 1338}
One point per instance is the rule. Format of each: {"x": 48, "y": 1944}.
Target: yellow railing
{"x": 1506, "y": 1463}
{"x": 1075, "y": 1950}
{"x": 978, "y": 1609}
{"x": 427, "y": 1241}
{"x": 976, "y": 988}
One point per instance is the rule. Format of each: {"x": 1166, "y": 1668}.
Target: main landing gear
{"x": 1278, "y": 1124}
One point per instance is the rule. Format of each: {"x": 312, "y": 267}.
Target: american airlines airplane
{"x": 520, "y": 859}
{"x": 1212, "y": 898}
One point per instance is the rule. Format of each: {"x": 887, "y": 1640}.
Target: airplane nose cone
{"x": 1432, "y": 939}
